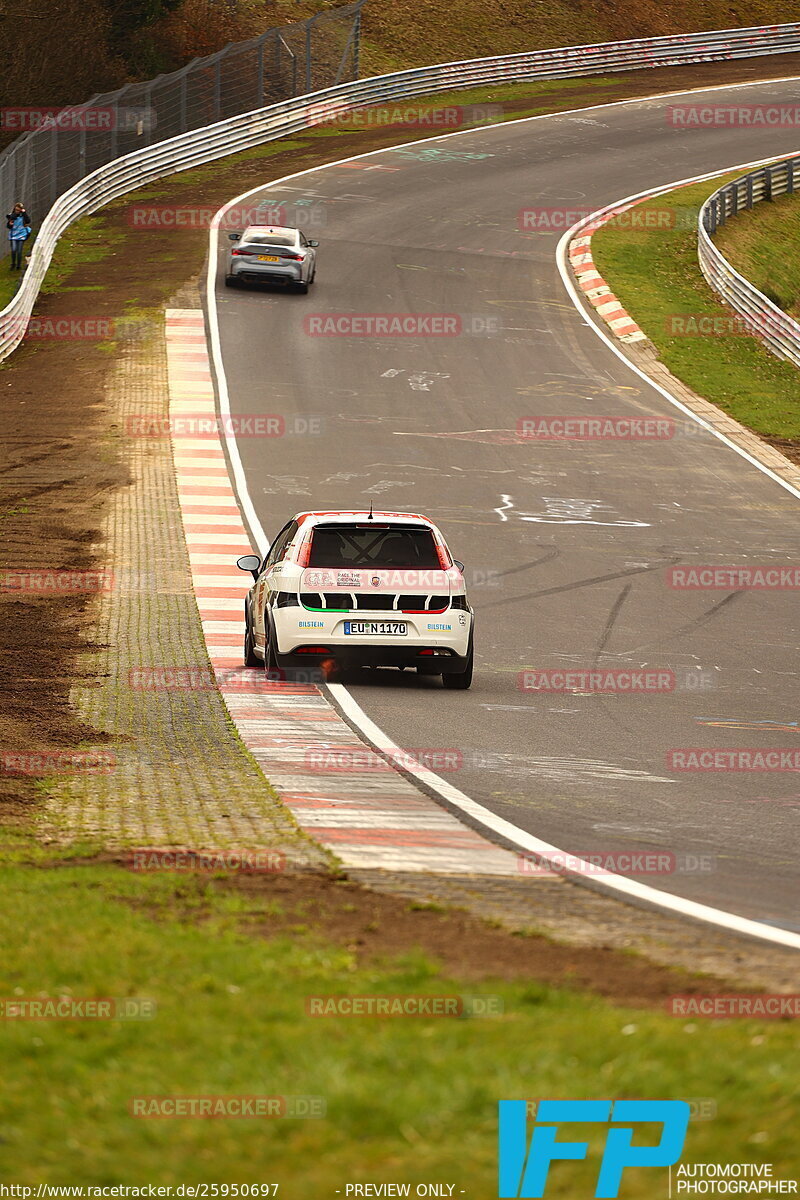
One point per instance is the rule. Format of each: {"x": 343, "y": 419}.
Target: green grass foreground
{"x": 407, "y": 1099}
{"x": 655, "y": 273}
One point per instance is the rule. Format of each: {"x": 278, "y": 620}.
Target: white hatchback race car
{"x": 359, "y": 589}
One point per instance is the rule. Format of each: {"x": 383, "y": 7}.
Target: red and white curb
{"x": 340, "y": 791}
{"x": 595, "y": 288}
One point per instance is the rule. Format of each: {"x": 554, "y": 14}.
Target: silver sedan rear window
{"x": 270, "y": 239}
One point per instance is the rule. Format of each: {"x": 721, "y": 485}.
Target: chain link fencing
{"x": 69, "y": 143}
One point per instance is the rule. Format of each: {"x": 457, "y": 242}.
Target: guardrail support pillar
{"x": 308, "y": 56}
{"x": 356, "y": 43}
{"x": 183, "y": 97}
{"x": 260, "y": 75}
{"x": 53, "y": 166}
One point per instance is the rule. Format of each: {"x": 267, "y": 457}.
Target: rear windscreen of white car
{"x": 269, "y": 239}
{"x": 372, "y": 545}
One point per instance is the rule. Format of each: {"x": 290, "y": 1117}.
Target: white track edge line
{"x": 617, "y": 883}
{"x": 630, "y": 888}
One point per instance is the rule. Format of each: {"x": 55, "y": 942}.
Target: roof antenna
{"x": 370, "y": 517}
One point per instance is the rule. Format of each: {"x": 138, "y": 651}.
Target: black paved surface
{"x": 566, "y": 544}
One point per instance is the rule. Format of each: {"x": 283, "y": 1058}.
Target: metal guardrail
{"x": 69, "y": 144}
{"x": 133, "y": 171}
{"x": 779, "y": 332}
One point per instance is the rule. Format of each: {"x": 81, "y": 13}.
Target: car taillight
{"x": 304, "y": 553}
{"x": 240, "y": 252}
{"x": 294, "y": 257}
{"x": 312, "y": 650}
{"x": 444, "y": 557}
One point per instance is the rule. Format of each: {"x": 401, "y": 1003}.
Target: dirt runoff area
{"x": 60, "y": 454}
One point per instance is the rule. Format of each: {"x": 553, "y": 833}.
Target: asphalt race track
{"x": 566, "y": 544}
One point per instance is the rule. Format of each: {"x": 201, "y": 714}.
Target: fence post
{"x": 147, "y": 124}
{"x": 82, "y": 108}
{"x": 183, "y": 93}
{"x": 183, "y": 97}
{"x": 309, "y": 30}
{"x": 115, "y": 98}
{"x": 789, "y": 164}
{"x": 749, "y": 186}
{"x": 260, "y": 73}
{"x": 353, "y": 44}
{"x": 218, "y": 87}
{"x": 357, "y": 41}
{"x": 281, "y": 41}
{"x": 53, "y": 135}
{"x": 767, "y": 183}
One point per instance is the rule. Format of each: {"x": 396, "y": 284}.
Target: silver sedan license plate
{"x": 376, "y": 628}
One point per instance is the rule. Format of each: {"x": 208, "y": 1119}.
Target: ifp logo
{"x": 523, "y": 1171}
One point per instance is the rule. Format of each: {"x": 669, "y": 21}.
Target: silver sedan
{"x": 272, "y": 254}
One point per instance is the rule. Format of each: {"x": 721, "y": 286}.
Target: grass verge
{"x": 654, "y": 272}
{"x": 406, "y": 1099}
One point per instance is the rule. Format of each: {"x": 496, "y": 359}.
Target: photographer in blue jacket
{"x": 18, "y": 224}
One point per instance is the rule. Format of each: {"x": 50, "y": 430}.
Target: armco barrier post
{"x": 779, "y": 332}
